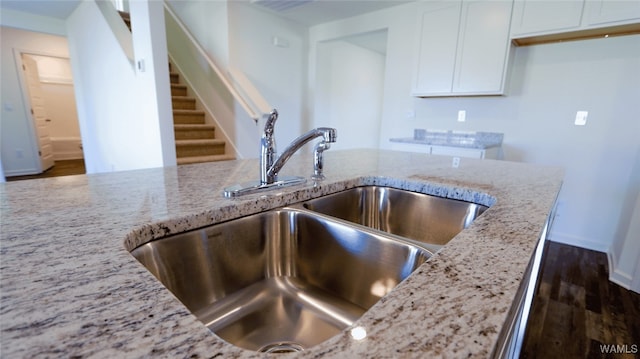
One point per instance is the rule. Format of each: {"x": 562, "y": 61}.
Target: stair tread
{"x": 193, "y": 126}
{"x": 198, "y": 142}
{"x": 189, "y": 98}
{"x": 201, "y": 159}
{"x": 187, "y": 111}
{"x": 179, "y": 85}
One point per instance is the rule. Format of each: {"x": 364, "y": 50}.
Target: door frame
{"x": 26, "y": 98}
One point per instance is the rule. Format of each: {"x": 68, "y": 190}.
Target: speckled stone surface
{"x": 463, "y": 139}
{"x": 70, "y": 288}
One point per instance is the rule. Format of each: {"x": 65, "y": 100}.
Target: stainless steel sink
{"x": 417, "y": 216}
{"x": 282, "y": 280}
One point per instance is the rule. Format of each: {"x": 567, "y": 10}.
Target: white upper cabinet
{"x": 536, "y": 16}
{"x": 462, "y": 48}
{"x": 483, "y": 43}
{"x": 545, "y": 17}
{"x": 607, "y": 12}
{"x": 438, "y": 39}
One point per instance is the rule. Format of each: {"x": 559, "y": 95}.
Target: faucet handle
{"x": 330, "y": 134}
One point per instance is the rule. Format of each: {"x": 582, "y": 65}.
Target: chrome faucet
{"x": 270, "y": 166}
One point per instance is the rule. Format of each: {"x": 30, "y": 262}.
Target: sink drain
{"x": 282, "y": 347}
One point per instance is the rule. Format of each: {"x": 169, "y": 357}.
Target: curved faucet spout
{"x": 329, "y": 135}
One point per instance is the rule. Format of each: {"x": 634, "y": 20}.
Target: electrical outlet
{"x": 456, "y": 162}
{"x": 581, "y": 118}
{"x": 462, "y": 116}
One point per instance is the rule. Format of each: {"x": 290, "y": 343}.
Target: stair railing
{"x": 248, "y": 97}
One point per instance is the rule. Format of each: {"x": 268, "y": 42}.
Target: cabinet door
{"x": 540, "y": 16}
{"x": 438, "y": 36}
{"x": 482, "y": 47}
{"x": 410, "y": 147}
{"x": 600, "y": 12}
{"x": 457, "y": 152}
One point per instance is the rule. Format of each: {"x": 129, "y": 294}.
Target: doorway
{"x": 350, "y": 87}
{"x": 48, "y": 91}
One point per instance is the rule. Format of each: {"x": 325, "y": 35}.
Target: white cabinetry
{"x": 463, "y": 48}
{"x": 489, "y": 153}
{"x": 546, "y": 17}
{"x": 607, "y": 12}
{"x": 535, "y": 16}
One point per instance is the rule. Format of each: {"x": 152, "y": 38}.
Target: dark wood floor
{"x": 60, "y": 168}
{"x": 577, "y": 312}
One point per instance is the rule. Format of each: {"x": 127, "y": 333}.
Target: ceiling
{"x": 314, "y": 12}
{"x": 306, "y": 12}
{"x": 60, "y": 9}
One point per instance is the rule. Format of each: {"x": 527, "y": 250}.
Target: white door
{"x": 38, "y": 112}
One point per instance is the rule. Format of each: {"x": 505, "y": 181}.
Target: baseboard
{"x": 617, "y": 276}
{"x": 22, "y": 172}
{"x": 71, "y": 155}
{"x": 579, "y": 242}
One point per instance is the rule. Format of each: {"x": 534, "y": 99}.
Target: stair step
{"x": 174, "y": 78}
{"x": 194, "y": 132}
{"x": 126, "y": 18}
{"x": 189, "y": 148}
{"x": 181, "y": 117}
{"x": 178, "y": 90}
{"x": 183, "y": 103}
{"x": 202, "y": 159}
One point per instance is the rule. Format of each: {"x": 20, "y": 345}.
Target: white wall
{"x": 624, "y": 252}
{"x": 279, "y": 73}
{"x": 349, "y": 93}
{"x": 208, "y": 22}
{"x": 549, "y": 84}
{"x": 196, "y": 71}
{"x": 18, "y": 147}
{"x": 122, "y": 121}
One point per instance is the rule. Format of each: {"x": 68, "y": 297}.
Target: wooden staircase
{"x": 196, "y": 140}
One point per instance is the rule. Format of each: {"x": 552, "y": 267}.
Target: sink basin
{"x": 280, "y": 281}
{"x": 417, "y": 216}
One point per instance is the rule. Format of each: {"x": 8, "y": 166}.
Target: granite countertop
{"x": 70, "y": 288}
{"x": 471, "y": 140}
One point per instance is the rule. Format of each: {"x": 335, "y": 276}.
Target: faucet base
{"x": 256, "y": 186}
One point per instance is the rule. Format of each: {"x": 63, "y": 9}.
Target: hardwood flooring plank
{"x": 577, "y": 312}
{"x": 60, "y": 168}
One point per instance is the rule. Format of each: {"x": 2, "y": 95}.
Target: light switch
{"x": 581, "y": 118}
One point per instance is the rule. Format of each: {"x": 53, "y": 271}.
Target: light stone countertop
{"x": 70, "y": 288}
{"x": 462, "y": 139}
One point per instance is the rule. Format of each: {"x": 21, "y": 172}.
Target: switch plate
{"x": 279, "y": 41}
{"x": 581, "y": 118}
{"x": 462, "y": 116}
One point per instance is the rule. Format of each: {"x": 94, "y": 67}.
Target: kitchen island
{"x": 70, "y": 288}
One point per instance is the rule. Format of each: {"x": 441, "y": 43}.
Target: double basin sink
{"x": 290, "y": 278}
